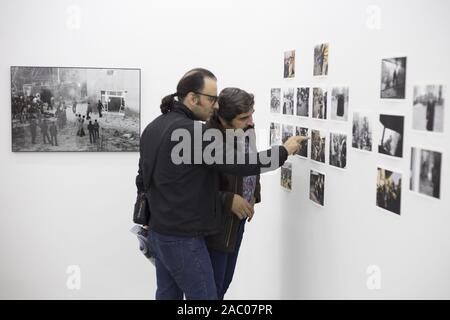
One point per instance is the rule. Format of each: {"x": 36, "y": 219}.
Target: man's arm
{"x": 247, "y": 168}
{"x": 139, "y": 177}
{"x": 253, "y": 164}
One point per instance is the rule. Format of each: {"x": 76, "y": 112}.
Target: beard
{"x": 248, "y": 128}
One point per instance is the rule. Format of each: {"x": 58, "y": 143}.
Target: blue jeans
{"x": 183, "y": 266}
{"x": 224, "y": 264}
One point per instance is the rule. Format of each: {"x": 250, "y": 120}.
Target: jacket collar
{"x": 181, "y": 108}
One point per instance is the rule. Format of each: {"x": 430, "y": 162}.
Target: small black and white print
{"x": 390, "y": 130}
{"x": 393, "y": 78}
{"x": 426, "y": 168}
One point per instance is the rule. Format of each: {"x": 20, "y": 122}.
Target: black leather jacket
{"x": 184, "y": 199}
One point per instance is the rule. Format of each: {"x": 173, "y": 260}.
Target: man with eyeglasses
{"x": 183, "y": 197}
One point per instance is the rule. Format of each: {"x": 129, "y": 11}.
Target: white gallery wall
{"x": 59, "y": 210}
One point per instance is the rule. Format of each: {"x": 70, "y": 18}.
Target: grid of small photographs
{"x": 428, "y": 117}
{"x": 381, "y": 133}
{"x": 311, "y": 102}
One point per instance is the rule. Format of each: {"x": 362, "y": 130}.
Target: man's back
{"x": 182, "y": 197}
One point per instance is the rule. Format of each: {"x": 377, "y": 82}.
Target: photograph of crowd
{"x": 393, "y": 78}
{"x": 390, "y": 129}
{"x": 321, "y": 60}
{"x": 299, "y": 131}
{"x": 389, "y": 190}
{"x": 288, "y": 101}
{"x": 275, "y": 134}
{"x": 426, "y": 172}
{"x": 286, "y": 176}
{"x": 289, "y": 64}
{"x": 275, "y": 100}
{"x": 319, "y": 107}
{"x": 428, "y": 108}
{"x": 303, "y": 102}
{"x": 317, "y": 187}
{"x": 362, "y": 130}
{"x": 339, "y": 103}
{"x": 318, "y": 140}
{"x": 75, "y": 109}
{"x": 338, "y": 150}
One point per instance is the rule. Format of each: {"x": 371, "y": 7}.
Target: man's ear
{"x": 192, "y": 99}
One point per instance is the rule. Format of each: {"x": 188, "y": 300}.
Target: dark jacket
{"x": 229, "y": 185}
{"x": 184, "y": 199}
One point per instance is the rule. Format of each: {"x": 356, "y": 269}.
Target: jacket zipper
{"x": 231, "y": 224}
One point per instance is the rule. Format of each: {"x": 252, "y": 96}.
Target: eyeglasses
{"x": 212, "y": 99}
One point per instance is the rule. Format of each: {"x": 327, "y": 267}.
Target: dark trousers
{"x": 45, "y": 135}
{"x": 183, "y": 266}
{"x": 224, "y": 264}
{"x": 54, "y": 140}
{"x": 91, "y": 136}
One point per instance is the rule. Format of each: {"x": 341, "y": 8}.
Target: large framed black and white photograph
{"x": 75, "y": 109}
